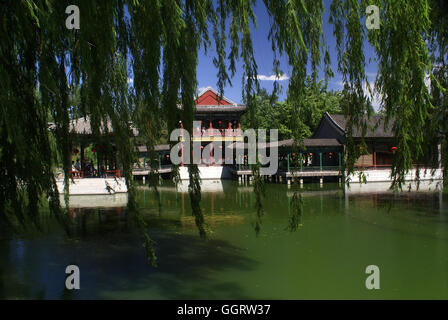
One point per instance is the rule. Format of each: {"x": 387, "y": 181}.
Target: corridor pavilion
{"x": 219, "y": 120}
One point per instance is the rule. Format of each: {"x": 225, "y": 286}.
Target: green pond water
{"x": 405, "y": 235}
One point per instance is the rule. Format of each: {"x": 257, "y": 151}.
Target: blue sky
{"x": 206, "y": 72}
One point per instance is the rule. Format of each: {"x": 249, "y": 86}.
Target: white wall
{"x": 383, "y": 175}
{"x": 213, "y": 172}
{"x": 93, "y": 186}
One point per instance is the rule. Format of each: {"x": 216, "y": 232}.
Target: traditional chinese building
{"x": 379, "y": 139}
{"x": 219, "y": 119}
{"x": 220, "y": 113}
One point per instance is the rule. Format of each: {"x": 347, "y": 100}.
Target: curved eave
{"x": 334, "y": 123}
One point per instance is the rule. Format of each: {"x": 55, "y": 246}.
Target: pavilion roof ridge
{"x": 209, "y": 88}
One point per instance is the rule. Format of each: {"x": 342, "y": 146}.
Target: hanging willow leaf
{"x": 49, "y": 74}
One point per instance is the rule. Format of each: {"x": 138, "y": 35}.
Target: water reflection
{"x": 384, "y": 187}
{"x": 96, "y": 201}
{"x": 341, "y": 232}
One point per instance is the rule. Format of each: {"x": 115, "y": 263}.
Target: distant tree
{"x": 272, "y": 114}
{"x": 269, "y": 114}
{"x": 317, "y": 101}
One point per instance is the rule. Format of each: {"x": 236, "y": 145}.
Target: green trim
{"x": 320, "y": 160}
{"x": 339, "y": 160}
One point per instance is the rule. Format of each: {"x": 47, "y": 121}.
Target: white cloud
{"x": 428, "y": 81}
{"x": 339, "y": 83}
{"x": 130, "y": 80}
{"x": 201, "y": 89}
{"x": 375, "y": 98}
{"x": 272, "y": 77}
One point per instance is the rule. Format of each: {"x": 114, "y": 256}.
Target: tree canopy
{"x": 272, "y": 114}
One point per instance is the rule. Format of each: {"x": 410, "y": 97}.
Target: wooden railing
{"x": 217, "y": 132}
{"x": 387, "y": 166}
{"x": 374, "y": 167}
{"x": 113, "y": 173}
{"x": 108, "y": 173}
{"x": 77, "y": 174}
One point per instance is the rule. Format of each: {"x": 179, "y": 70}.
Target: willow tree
{"x": 157, "y": 43}
{"x": 438, "y": 40}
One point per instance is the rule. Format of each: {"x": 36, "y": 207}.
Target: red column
{"x": 211, "y": 154}
{"x": 183, "y": 203}
{"x": 181, "y": 147}
{"x": 374, "y": 160}
{"x": 197, "y": 131}
{"x": 82, "y": 157}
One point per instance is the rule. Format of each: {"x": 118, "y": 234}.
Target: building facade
{"x": 217, "y": 119}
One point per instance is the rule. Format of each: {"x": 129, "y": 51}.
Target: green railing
{"x": 310, "y": 168}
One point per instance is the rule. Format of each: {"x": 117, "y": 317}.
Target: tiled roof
{"x": 160, "y": 147}
{"x": 82, "y": 126}
{"x": 375, "y": 126}
{"x": 289, "y": 143}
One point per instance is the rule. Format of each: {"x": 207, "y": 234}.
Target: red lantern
{"x": 393, "y": 149}
{"x": 93, "y": 150}
{"x": 310, "y": 154}
{"x": 331, "y": 153}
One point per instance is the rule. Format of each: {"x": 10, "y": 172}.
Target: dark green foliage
{"x": 297, "y": 212}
